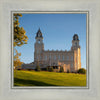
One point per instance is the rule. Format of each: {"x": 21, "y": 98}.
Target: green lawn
{"x": 33, "y": 78}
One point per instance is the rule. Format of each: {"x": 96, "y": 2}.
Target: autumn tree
{"x": 20, "y": 37}
{"x": 17, "y": 62}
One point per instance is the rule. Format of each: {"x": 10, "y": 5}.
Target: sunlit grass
{"x": 33, "y": 78}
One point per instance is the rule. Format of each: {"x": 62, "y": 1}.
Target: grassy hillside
{"x": 33, "y": 78}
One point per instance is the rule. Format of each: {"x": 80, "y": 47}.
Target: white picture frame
{"x": 8, "y": 93}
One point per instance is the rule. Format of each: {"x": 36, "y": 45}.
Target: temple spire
{"x": 39, "y": 33}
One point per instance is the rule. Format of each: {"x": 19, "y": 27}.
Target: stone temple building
{"x": 69, "y": 60}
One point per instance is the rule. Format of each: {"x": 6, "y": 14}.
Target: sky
{"x": 57, "y": 30}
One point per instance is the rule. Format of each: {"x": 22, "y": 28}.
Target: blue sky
{"x": 58, "y": 31}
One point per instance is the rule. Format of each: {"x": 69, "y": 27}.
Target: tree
{"x": 17, "y": 62}
{"x": 82, "y": 71}
{"x": 19, "y": 38}
{"x": 38, "y": 67}
{"x": 61, "y": 69}
{"x": 67, "y": 70}
{"x": 51, "y": 69}
{"x": 19, "y": 33}
{"x": 47, "y": 69}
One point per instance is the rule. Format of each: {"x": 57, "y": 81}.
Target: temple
{"x": 69, "y": 60}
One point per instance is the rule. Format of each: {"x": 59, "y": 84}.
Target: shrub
{"x": 67, "y": 70}
{"x": 51, "y": 69}
{"x": 61, "y": 69}
{"x": 29, "y": 69}
{"x": 18, "y": 69}
{"x": 38, "y": 68}
{"x": 47, "y": 69}
{"x": 82, "y": 71}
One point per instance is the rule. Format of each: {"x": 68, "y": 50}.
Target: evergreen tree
{"x": 61, "y": 69}
{"x": 51, "y": 69}
{"x": 47, "y": 69}
{"x": 67, "y": 70}
{"x": 38, "y": 67}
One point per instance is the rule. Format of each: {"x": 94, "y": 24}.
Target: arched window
{"x": 59, "y": 57}
{"x": 63, "y": 57}
{"x": 71, "y": 66}
{"x": 39, "y": 41}
{"x": 50, "y": 56}
{"x": 71, "y": 58}
{"x": 37, "y": 58}
{"x": 37, "y": 51}
{"x": 45, "y": 57}
{"x": 75, "y": 43}
{"x": 54, "y": 57}
{"x": 40, "y": 57}
{"x": 67, "y": 57}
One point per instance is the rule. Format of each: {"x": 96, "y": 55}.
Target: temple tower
{"x": 76, "y": 51}
{"x": 39, "y": 46}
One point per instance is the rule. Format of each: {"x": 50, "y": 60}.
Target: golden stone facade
{"x": 69, "y": 60}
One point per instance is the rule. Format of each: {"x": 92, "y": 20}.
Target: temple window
{"x": 54, "y": 57}
{"x": 71, "y": 58}
{"x": 71, "y": 66}
{"x": 45, "y": 57}
{"x": 67, "y": 57}
{"x": 63, "y": 57}
{"x": 59, "y": 57}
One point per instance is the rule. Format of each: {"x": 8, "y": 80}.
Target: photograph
{"x": 49, "y": 49}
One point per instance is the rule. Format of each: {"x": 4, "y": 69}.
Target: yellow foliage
{"x": 20, "y": 37}
{"x": 25, "y": 40}
{"x": 17, "y": 62}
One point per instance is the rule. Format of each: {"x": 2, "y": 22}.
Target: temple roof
{"x": 39, "y": 33}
